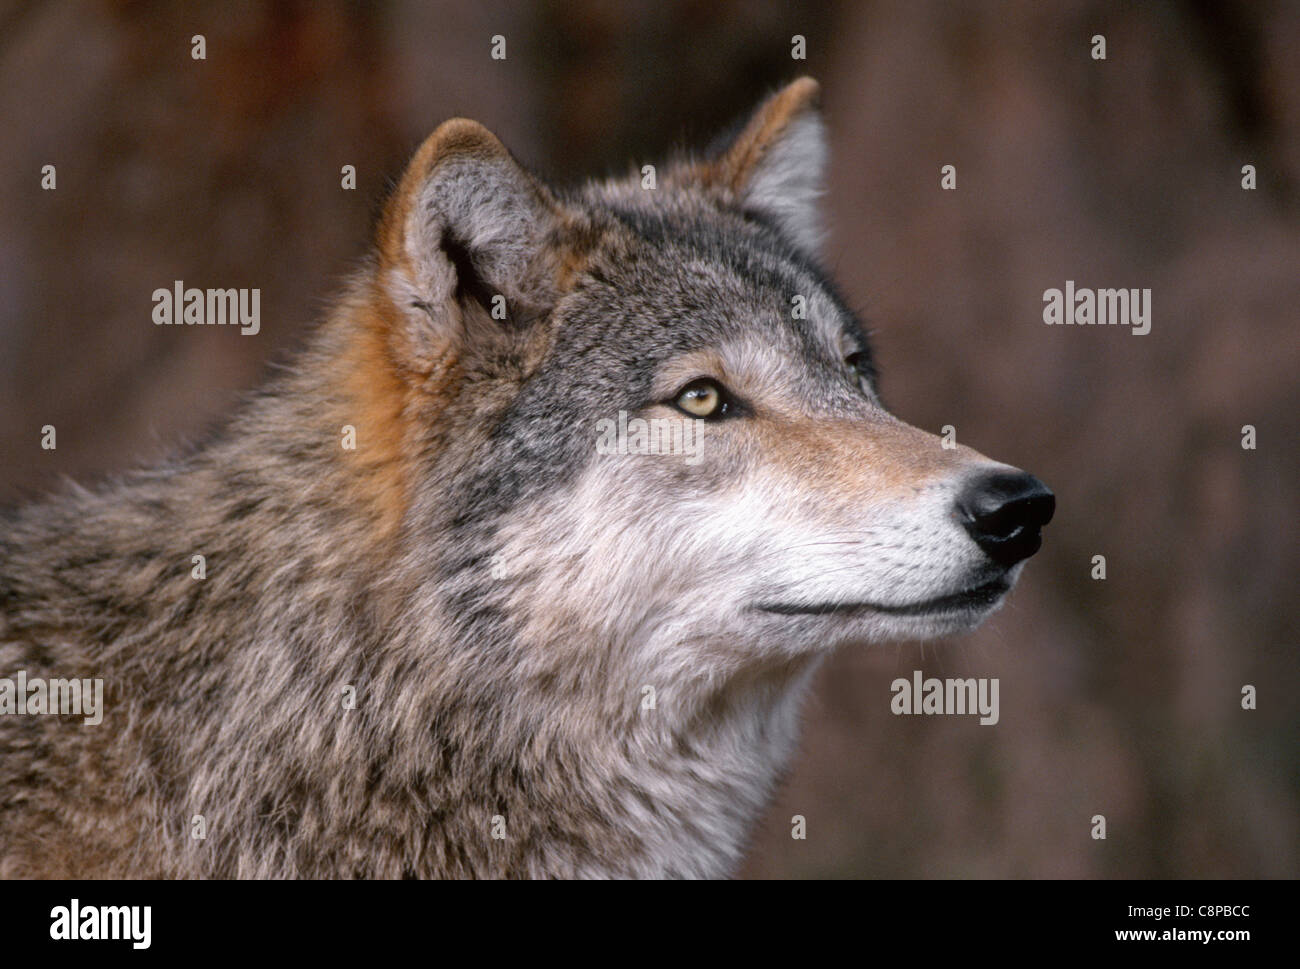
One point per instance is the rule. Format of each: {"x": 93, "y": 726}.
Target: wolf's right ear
{"x": 461, "y": 239}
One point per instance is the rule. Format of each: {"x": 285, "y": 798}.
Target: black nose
{"x": 1003, "y": 511}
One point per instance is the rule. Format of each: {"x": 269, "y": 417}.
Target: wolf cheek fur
{"x": 494, "y": 593}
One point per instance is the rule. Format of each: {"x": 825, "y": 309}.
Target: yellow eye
{"x": 702, "y": 398}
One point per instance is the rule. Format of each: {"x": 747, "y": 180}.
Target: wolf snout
{"x": 1003, "y": 512}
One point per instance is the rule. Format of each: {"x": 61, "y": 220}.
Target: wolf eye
{"x": 860, "y": 364}
{"x": 703, "y": 398}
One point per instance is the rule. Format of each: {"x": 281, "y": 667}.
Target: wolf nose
{"x": 1003, "y": 512}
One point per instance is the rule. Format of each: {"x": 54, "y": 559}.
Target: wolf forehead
{"x": 684, "y": 279}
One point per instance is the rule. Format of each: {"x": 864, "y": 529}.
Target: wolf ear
{"x": 776, "y": 166}
{"x": 465, "y": 227}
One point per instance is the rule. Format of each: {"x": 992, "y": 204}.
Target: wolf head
{"x": 550, "y": 346}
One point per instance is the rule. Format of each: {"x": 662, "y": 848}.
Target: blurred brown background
{"x": 1118, "y": 697}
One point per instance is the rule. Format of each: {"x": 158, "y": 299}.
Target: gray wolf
{"x": 435, "y": 631}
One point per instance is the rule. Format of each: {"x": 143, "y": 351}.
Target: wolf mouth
{"x": 978, "y": 597}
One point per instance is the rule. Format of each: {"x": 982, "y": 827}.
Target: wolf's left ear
{"x": 462, "y": 241}
{"x": 776, "y": 166}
